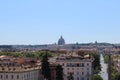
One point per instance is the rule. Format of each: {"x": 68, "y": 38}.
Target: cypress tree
{"x": 59, "y": 73}
{"x": 45, "y": 67}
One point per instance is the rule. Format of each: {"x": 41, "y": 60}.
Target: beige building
{"x": 12, "y": 68}
{"x": 20, "y": 74}
{"x": 118, "y": 65}
{"x": 116, "y": 60}
{"x": 79, "y": 66}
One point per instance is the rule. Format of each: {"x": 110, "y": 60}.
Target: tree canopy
{"x": 59, "y": 73}
{"x": 45, "y": 67}
{"x": 96, "y": 77}
{"x": 96, "y": 63}
{"x": 37, "y": 55}
{"x": 117, "y": 76}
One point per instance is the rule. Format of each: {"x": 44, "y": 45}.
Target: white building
{"x": 12, "y": 68}
{"x": 79, "y": 67}
{"x": 118, "y": 65}
{"x": 20, "y": 74}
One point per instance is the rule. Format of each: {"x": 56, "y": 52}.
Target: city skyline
{"x": 43, "y": 22}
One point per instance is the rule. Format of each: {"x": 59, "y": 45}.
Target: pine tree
{"x": 59, "y": 73}
{"x": 45, "y": 67}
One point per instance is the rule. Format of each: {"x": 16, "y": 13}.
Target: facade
{"x": 118, "y": 65}
{"x": 31, "y": 74}
{"x": 75, "y": 66}
{"x": 116, "y": 60}
{"x": 14, "y": 68}
{"x": 53, "y": 71}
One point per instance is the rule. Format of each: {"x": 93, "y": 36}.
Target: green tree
{"x": 106, "y": 58}
{"x": 29, "y": 54}
{"x": 59, "y": 73}
{"x": 96, "y": 63}
{"x": 117, "y": 76}
{"x": 70, "y": 77}
{"x": 113, "y": 76}
{"x": 49, "y": 54}
{"x": 96, "y": 77}
{"x": 45, "y": 67}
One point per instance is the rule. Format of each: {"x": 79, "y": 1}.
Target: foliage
{"x": 70, "y": 77}
{"x": 96, "y": 63}
{"x": 14, "y": 54}
{"x": 117, "y": 76}
{"x": 45, "y": 67}
{"x": 37, "y": 55}
{"x": 113, "y": 76}
{"x": 106, "y": 58}
{"x": 59, "y": 73}
{"x": 96, "y": 77}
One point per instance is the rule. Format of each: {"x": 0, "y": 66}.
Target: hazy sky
{"x": 44, "y": 21}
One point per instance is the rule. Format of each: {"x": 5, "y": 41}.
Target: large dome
{"x": 61, "y": 41}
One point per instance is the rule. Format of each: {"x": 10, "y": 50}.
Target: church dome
{"x": 61, "y": 41}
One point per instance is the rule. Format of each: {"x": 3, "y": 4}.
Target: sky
{"x": 44, "y": 21}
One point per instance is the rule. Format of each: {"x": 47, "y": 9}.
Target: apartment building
{"x": 12, "y": 68}
{"x": 76, "y": 65}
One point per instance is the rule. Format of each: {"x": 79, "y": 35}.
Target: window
{"x": 11, "y": 76}
{"x": 73, "y": 65}
{"x": 68, "y": 73}
{"x": 68, "y": 68}
{"x": 27, "y": 76}
{"x": 1, "y": 76}
{"x": 68, "y": 64}
{"x": 82, "y": 64}
{"x": 87, "y": 68}
{"x": 82, "y": 73}
{"x": 87, "y": 64}
{"x": 72, "y": 73}
{"x": 24, "y": 76}
{"x": 82, "y": 78}
{"x": 88, "y": 73}
{"x": 63, "y": 64}
{"x": 78, "y": 65}
{"x": 17, "y": 76}
{"x": 87, "y": 78}
{"x": 6, "y": 76}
